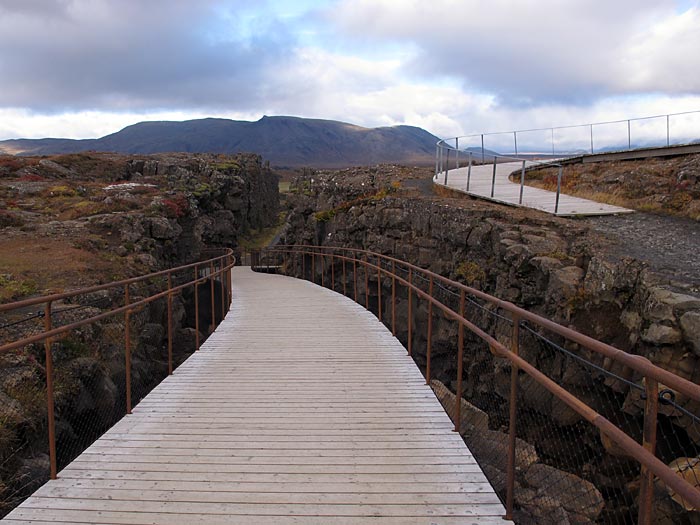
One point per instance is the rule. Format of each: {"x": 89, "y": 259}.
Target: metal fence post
{"x": 196, "y": 307}
{"x": 430, "y": 332}
{"x": 493, "y": 177}
{"x": 332, "y": 271}
{"x": 50, "y": 418}
{"x": 556, "y": 205}
{"x": 447, "y": 166}
{"x": 211, "y": 289}
{"x": 323, "y": 269}
{"x": 515, "y": 141}
{"x": 591, "y": 139}
{"x": 410, "y": 309}
{"x": 457, "y": 152}
{"x": 437, "y": 159}
{"x": 522, "y": 183}
{"x": 379, "y": 289}
{"x": 482, "y": 148}
{"x": 646, "y": 489}
{"x": 393, "y": 298}
{"x": 345, "y": 282}
{"x": 513, "y": 407}
{"x": 170, "y": 318}
{"x": 460, "y": 367}
{"x": 222, "y": 288}
{"x": 629, "y": 135}
{"x": 469, "y": 170}
{"x": 127, "y": 349}
{"x": 366, "y": 283}
{"x": 668, "y": 131}
{"x": 354, "y": 273}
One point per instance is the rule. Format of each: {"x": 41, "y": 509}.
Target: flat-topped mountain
{"x": 284, "y": 141}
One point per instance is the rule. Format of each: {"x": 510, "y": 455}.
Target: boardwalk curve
{"x": 507, "y": 192}
{"x": 300, "y": 408}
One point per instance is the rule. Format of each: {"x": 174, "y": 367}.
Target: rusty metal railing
{"x": 346, "y": 265}
{"x": 202, "y": 271}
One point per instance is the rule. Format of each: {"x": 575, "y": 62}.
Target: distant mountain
{"x": 284, "y": 141}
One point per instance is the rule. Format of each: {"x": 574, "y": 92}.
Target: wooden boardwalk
{"x": 507, "y": 192}
{"x": 300, "y": 408}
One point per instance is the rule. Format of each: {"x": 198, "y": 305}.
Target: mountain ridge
{"x": 283, "y": 140}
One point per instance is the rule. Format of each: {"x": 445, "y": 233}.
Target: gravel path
{"x": 669, "y": 245}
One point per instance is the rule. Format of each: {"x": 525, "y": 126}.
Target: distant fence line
{"x": 581, "y": 139}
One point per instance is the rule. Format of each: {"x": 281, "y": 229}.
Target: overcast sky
{"x": 86, "y": 68}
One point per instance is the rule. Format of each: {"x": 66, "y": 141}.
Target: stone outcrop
{"x": 200, "y": 203}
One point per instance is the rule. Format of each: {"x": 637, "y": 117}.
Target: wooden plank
{"x": 300, "y": 408}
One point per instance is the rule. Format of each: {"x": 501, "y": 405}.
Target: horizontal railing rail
{"x": 211, "y": 269}
{"x": 560, "y": 146}
{"x": 324, "y": 260}
{"x": 442, "y": 167}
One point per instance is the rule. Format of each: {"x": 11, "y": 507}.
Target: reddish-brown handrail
{"x": 218, "y": 266}
{"x": 644, "y": 453}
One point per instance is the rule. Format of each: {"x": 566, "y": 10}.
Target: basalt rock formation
{"x": 126, "y": 216}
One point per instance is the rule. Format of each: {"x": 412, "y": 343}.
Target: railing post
{"x": 410, "y": 309}
{"x": 313, "y": 266}
{"x": 430, "y": 332}
{"x": 556, "y": 205}
{"x": 591, "y": 139}
{"x": 50, "y": 419}
{"x": 460, "y": 367}
{"x": 345, "y": 282}
{"x": 469, "y": 170}
{"x": 522, "y": 183}
{"x": 447, "y": 166}
{"x": 482, "y": 148}
{"x": 493, "y": 177}
{"x": 646, "y": 489}
{"x": 127, "y": 348}
{"x": 379, "y": 289}
{"x": 629, "y": 134}
{"x": 332, "y": 272}
{"x": 437, "y": 159}
{"x": 354, "y": 273}
{"x": 323, "y": 269}
{"x": 393, "y": 298}
{"x": 668, "y": 131}
{"x": 515, "y": 141}
{"x": 303, "y": 265}
{"x": 221, "y": 286}
{"x": 196, "y": 307}
{"x": 170, "y": 320}
{"x": 230, "y": 283}
{"x": 211, "y": 289}
{"x": 366, "y": 283}
{"x": 457, "y": 152}
{"x": 510, "y": 468}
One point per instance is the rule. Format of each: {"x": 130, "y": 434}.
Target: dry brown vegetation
{"x": 668, "y": 186}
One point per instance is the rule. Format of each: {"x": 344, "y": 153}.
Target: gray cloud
{"x": 132, "y": 55}
{"x": 536, "y": 51}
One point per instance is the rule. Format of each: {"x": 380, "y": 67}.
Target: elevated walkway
{"x": 502, "y": 190}
{"x": 300, "y": 408}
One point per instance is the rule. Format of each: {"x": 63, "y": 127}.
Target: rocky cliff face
{"x": 555, "y": 267}
{"x": 125, "y": 216}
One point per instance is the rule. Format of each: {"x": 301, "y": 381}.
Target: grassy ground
{"x": 667, "y": 186}
{"x": 258, "y": 239}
